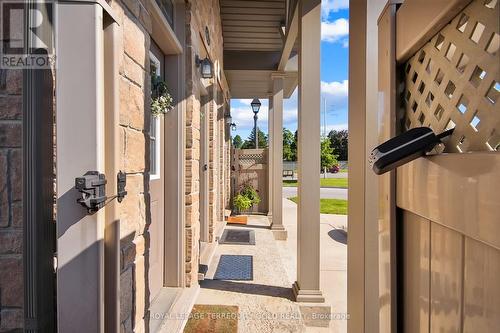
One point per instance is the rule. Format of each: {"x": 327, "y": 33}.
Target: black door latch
{"x": 92, "y": 186}
{"x": 404, "y": 148}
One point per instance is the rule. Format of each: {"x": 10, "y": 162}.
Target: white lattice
{"x": 251, "y": 159}
{"x": 454, "y": 80}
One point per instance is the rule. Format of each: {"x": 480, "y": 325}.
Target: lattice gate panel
{"x": 454, "y": 80}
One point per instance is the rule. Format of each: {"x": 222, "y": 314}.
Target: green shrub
{"x": 241, "y": 202}
{"x": 249, "y": 192}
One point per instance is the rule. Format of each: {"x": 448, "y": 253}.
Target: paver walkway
{"x": 265, "y": 303}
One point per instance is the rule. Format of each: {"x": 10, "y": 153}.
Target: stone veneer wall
{"x": 134, "y": 86}
{"x": 201, "y": 14}
{"x": 134, "y": 125}
{"x": 11, "y": 192}
{"x": 134, "y": 92}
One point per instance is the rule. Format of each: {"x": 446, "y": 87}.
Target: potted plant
{"x": 251, "y": 193}
{"x": 243, "y": 201}
{"x": 161, "y": 100}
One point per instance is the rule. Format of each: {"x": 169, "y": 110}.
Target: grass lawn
{"x": 330, "y": 206}
{"x": 324, "y": 182}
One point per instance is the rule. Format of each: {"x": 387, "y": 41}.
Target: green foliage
{"x": 237, "y": 141}
{"x": 161, "y": 100}
{"x": 330, "y": 206}
{"x": 289, "y": 146}
{"x": 328, "y": 159}
{"x": 339, "y": 142}
{"x": 246, "y": 198}
{"x": 324, "y": 182}
{"x": 250, "y": 142}
{"x": 241, "y": 202}
{"x": 249, "y": 192}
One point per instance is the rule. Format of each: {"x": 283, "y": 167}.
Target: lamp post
{"x": 255, "y": 108}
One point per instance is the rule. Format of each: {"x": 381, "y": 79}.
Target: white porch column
{"x": 279, "y": 231}
{"x": 270, "y": 136}
{"x": 307, "y": 288}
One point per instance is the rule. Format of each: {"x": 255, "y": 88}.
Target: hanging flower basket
{"x": 161, "y": 100}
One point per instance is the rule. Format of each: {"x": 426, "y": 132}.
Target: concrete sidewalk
{"x": 265, "y": 303}
{"x": 333, "y": 269}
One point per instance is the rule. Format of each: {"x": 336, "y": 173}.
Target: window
{"x": 167, "y": 8}
{"x": 154, "y": 130}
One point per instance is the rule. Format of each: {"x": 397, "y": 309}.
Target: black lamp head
{"x": 255, "y": 105}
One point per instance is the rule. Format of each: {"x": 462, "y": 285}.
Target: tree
{"x": 250, "y": 142}
{"x": 237, "y": 141}
{"x": 339, "y": 140}
{"x": 328, "y": 159}
{"x": 289, "y": 153}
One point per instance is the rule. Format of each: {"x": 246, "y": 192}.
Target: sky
{"x": 334, "y": 75}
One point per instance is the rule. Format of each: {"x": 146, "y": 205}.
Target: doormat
{"x": 212, "y": 318}
{"x": 241, "y": 237}
{"x": 234, "y": 267}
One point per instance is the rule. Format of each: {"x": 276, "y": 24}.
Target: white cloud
{"x": 328, "y": 6}
{"x": 335, "y": 30}
{"x": 336, "y": 94}
{"x": 245, "y": 101}
{"x": 243, "y": 117}
{"x": 335, "y": 88}
{"x": 335, "y": 127}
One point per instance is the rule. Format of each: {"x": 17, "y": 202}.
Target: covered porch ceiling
{"x": 254, "y": 39}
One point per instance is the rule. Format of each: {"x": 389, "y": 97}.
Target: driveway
{"x": 325, "y": 193}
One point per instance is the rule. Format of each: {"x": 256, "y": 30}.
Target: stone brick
{"x": 17, "y": 214}
{"x": 192, "y": 213}
{"x": 11, "y": 107}
{"x": 4, "y": 201}
{"x": 132, "y": 71}
{"x": 192, "y": 169}
{"x": 126, "y": 294}
{"x": 11, "y": 242}
{"x": 135, "y": 151}
{"x": 132, "y": 105}
{"x": 14, "y": 79}
{"x": 135, "y": 42}
{"x": 133, "y": 216}
{"x": 16, "y": 174}
{"x": 10, "y": 134}
{"x": 128, "y": 253}
{"x": 140, "y": 292}
{"x": 11, "y": 281}
{"x": 11, "y": 320}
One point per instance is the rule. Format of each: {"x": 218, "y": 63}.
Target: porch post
{"x": 270, "y": 159}
{"x": 279, "y": 231}
{"x": 307, "y": 286}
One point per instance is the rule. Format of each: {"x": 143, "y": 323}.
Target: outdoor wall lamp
{"x": 233, "y": 126}
{"x": 207, "y": 67}
{"x": 229, "y": 119}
